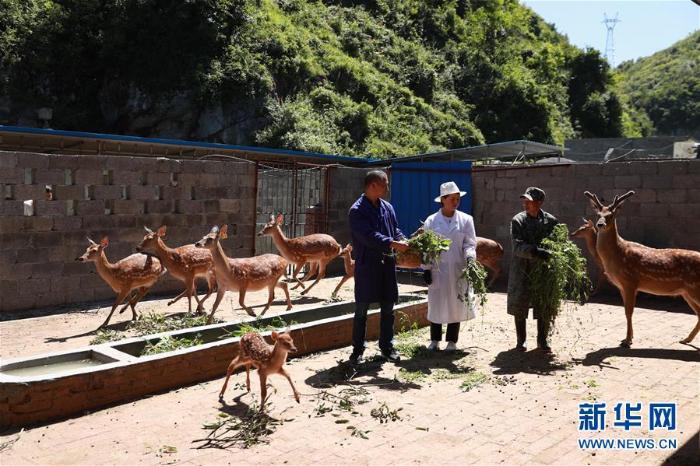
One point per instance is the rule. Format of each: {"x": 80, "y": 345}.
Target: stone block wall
{"x": 664, "y": 212}
{"x": 346, "y": 185}
{"x": 108, "y": 196}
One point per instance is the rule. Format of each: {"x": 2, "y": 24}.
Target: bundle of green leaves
{"x": 475, "y": 275}
{"x": 429, "y": 245}
{"x": 168, "y": 343}
{"x": 561, "y": 278}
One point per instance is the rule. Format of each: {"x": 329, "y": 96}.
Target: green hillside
{"x": 666, "y": 87}
{"x": 368, "y": 78}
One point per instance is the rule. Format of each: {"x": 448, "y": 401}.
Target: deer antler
{"x": 620, "y": 199}
{"x": 90, "y": 241}
{"x": 594, "y": 200}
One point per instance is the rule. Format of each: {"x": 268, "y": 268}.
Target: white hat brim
{"x": 461, "y": 194}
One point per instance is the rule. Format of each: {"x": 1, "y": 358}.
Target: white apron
{"x": 444, "y": 306}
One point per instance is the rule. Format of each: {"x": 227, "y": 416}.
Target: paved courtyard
{"x": 484, "y": 404}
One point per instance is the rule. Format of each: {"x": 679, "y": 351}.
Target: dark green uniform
{"x": 526, "y": 234}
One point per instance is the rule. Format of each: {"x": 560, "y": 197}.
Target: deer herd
{"x": 132, "y": 277}
{"x": 629, "y": 266}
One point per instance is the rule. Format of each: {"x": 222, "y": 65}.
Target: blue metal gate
{"x": 415, "y": 185}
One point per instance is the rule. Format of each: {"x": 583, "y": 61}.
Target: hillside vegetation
{"x": 368, "y": 78}
{"x": 666, "y": 87}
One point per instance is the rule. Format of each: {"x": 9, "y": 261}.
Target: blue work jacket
{"x": 372, "y": 230}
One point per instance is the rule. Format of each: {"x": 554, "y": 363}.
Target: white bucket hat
{"x": 449, "y": 188}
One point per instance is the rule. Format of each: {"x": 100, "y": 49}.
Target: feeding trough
{"x": 52, "y": 386}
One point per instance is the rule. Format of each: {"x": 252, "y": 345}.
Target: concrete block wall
{"x": 346, "y": 185}
{"x": 664, "y": 212}
{"x": 113, "y": 196}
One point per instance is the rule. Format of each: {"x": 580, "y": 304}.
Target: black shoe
{"x": 356, "y": 359}
{"x": 391, "y": 356}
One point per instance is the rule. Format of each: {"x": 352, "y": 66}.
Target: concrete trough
{"x": 53, "y": 386}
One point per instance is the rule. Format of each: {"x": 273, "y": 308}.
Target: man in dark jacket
{"x": 527, "y": 230}
{"x": 375, "y": 233}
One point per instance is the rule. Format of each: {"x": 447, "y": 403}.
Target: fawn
{"x": 253, "y": 350}
{"x": 185, "y": 263}
{"x": 242, "y": 275}
{"x": 136, "y": 272}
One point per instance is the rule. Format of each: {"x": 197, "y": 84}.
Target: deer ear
{"x": 105, "y": 242}
{"x": 162, "y": 230}
{"x": 223, "y": 233}
{"x": 272, "y": 218}
{"x": 214, "y": 230}
{"x": 274, "y": 336}
{"x": 280, "y": 219}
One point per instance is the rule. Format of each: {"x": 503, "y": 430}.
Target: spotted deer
{"x": 253, "y": 351}
{"x": 318, "y": 247}
{"x": 588, "y": 232}
{"x": 137, "y": 272}
{"x": 349, "y": 264}
{"x": 243, "y": 275}
{"x": 185, "y": 263}
{"x": 633, "y": 267}
{"x": 489, "y": 254}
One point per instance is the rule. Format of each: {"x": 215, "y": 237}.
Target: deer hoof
{"x": 289, "y": 308}
{"x": 625, "y": 344}
{"x": 685, "y": 341}
{"x": 250, "y": 312}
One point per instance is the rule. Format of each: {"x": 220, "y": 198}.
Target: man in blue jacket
{"x": 375, "y": 233}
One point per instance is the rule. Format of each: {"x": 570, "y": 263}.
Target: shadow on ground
{"x": 688, "y": 454}
{"x": 598, "y": 357}
{"x": 367, "y": 373}
{"x": 530, "y": 362}
{"x": 426, "y": 362}
{"x": 646, "y": 301}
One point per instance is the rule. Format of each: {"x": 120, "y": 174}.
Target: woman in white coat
{"x": 444, "y": 285}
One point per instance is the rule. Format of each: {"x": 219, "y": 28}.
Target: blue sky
{"x": 646, "y": 26}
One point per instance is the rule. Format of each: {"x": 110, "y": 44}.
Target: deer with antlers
{"x": 633, "y": 267}
{"x": 349, "y": 264}
{"x": 253, "y": 351}
{"x": 588, "y": 232}
{"x": 137, "y": 273}
{"x": 185, "y": 263}
{"x": 243, "y": 275}
{"x": 318, "y": 247}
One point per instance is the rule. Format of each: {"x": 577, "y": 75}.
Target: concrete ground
{"x": 484, "y": 404}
